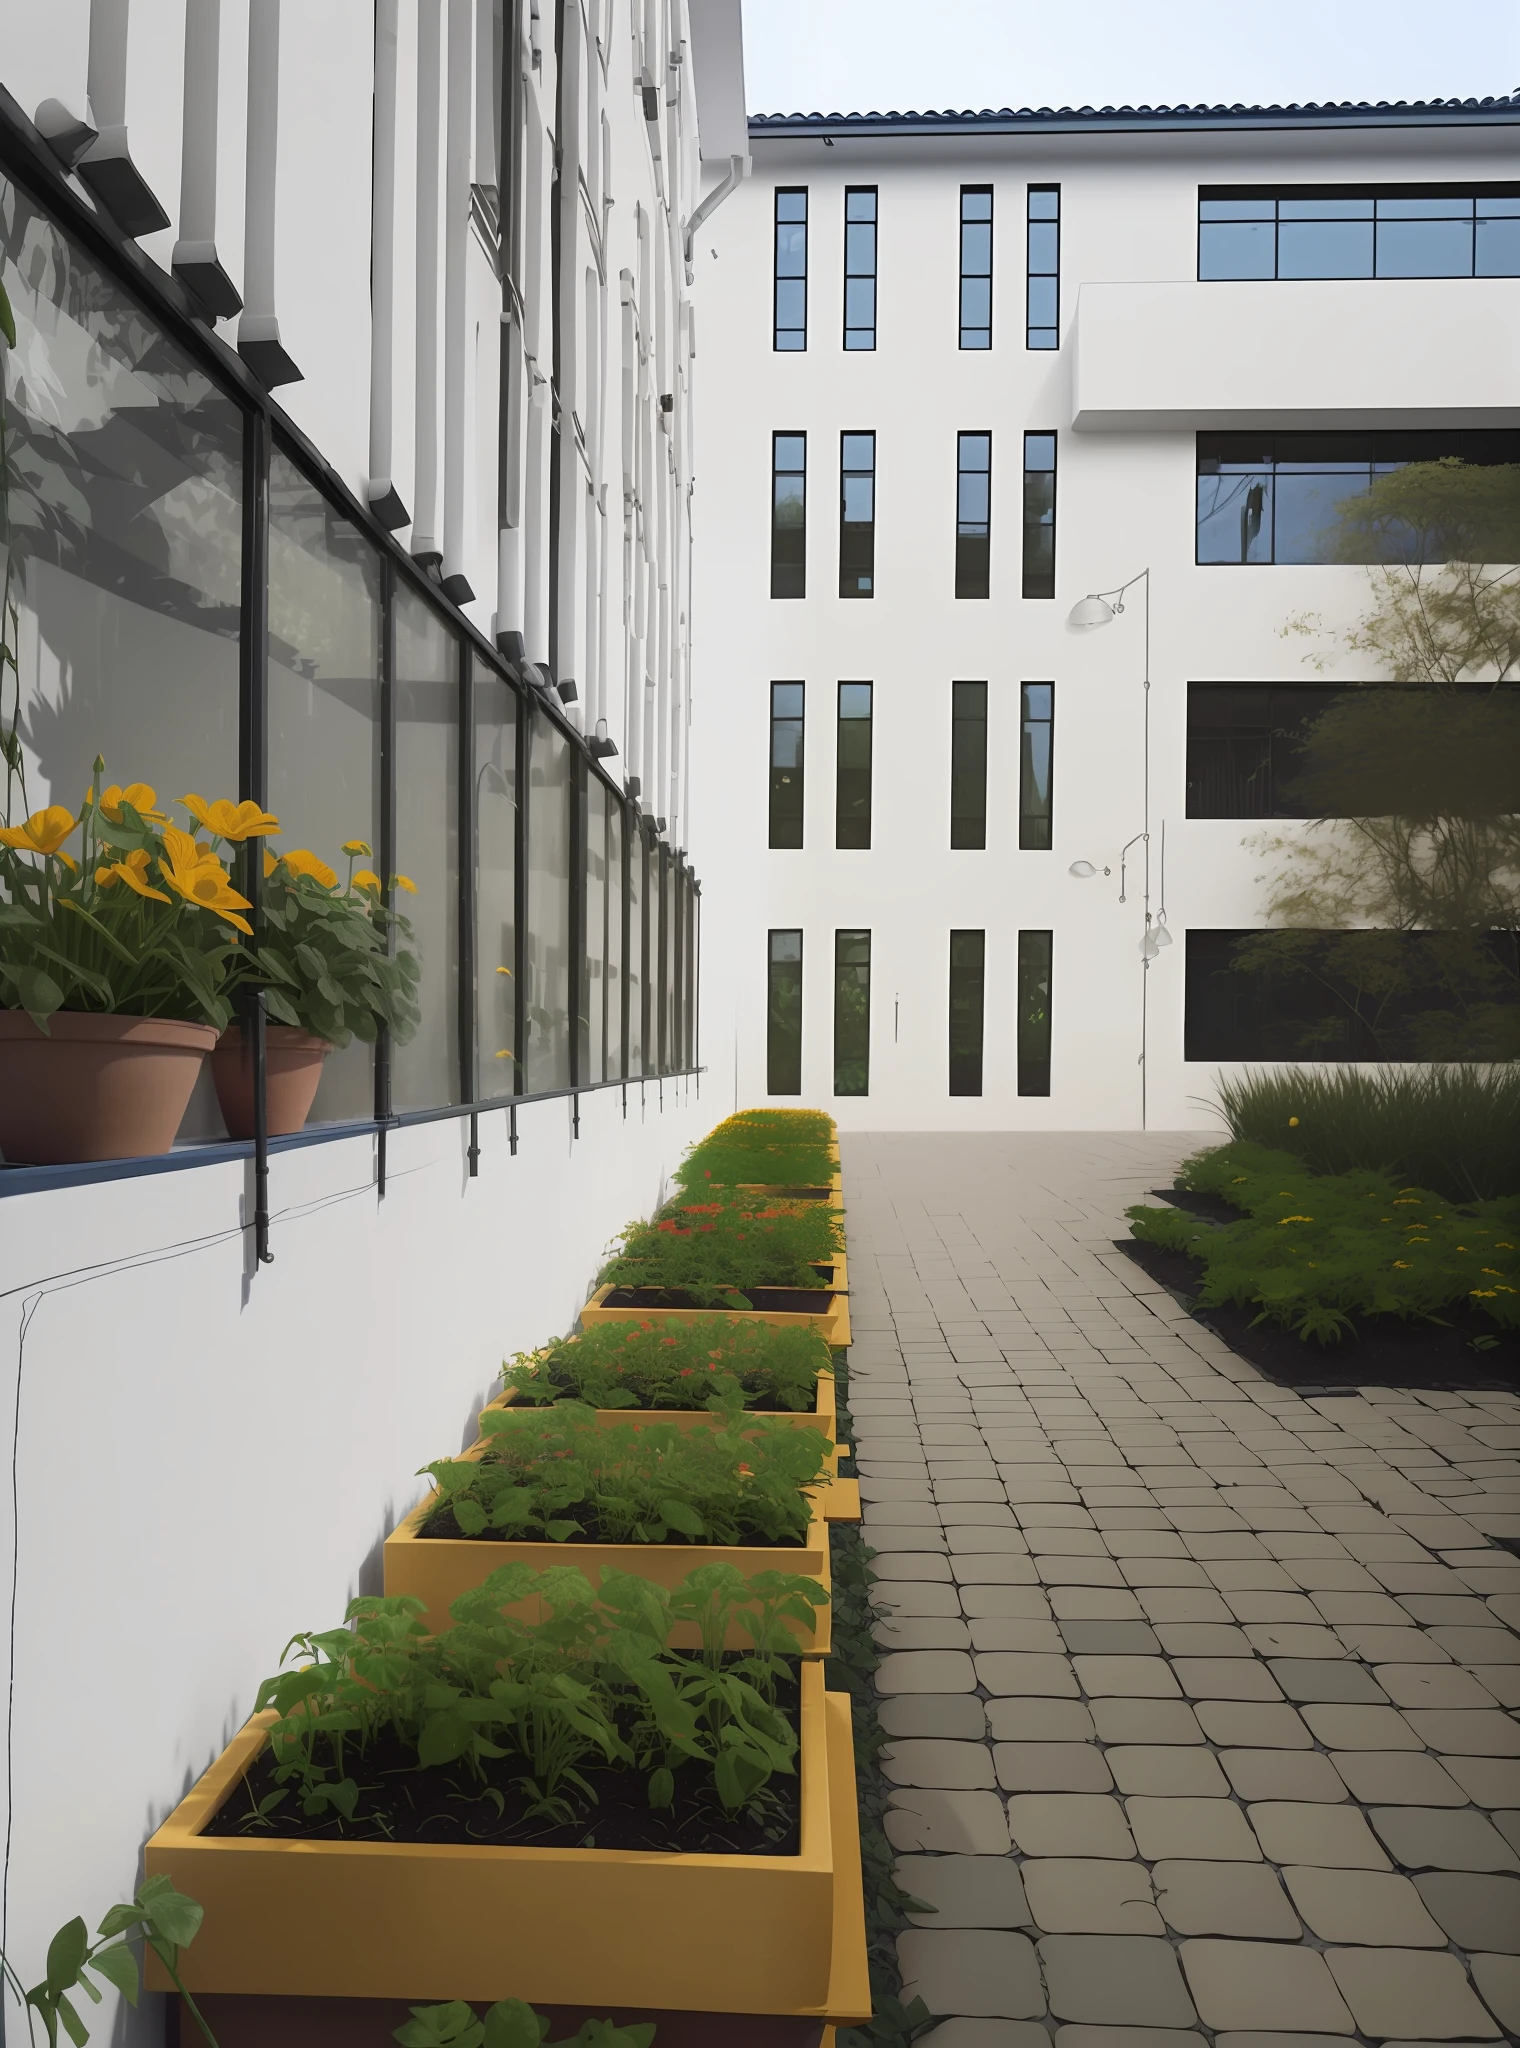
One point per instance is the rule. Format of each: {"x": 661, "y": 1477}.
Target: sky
{"x": 851, "y": 56}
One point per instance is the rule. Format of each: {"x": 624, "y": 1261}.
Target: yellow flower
{"x": 201, "y": 879}
{"x": 505, "y": 1054}
{"x": 138, "y": 795}
{"x": 506, "y": 971}
{"x": 43, "y": 832}
{"x": 134, "y": 872}
{"x": 1487, "y": 1293}
{"x": 1406, "y": 1202}
{"x": 358, "y": 849}
{"x": 1402, "y": 1265}
{"x": 406, "y": 882}
{"x": 227, "y": 820}
{"x": 1501, "y": 1244}
{"x": 1295, "y": 1219}
{"x": 304, "y": 862}
{"x": 1292, "y": 1123}
{"x": 367, "y": 880}
{"x": 1496, "y": 1271}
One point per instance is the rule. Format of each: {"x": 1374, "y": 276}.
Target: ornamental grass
{"x": 675, "y": 1365}
{"x": 1456, "y": 1129}
{"x": 1316, "y": 1252}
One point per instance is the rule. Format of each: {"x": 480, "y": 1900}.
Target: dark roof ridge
{"x": 1301, "y": 110}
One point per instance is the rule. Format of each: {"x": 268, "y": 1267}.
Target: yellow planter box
{"x": 820, "y": 1416}
{"x": 831, "y": 1322}
{"x": 607, "y": 1928}
{"x": 437, "y": 1569}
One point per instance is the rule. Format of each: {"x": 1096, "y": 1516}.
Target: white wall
{"x": 209, "y": 1460}
{"x": 1125, "y": 501}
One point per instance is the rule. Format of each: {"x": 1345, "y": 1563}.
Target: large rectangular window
{"x": 852, "y": 1013}
{"x": 591, "y": 1048}
{"x": 1042, "y": 288}
{"x": 783, "y": 1014}
{"x": 790, "y": 309}
{"x": 633, "y": 969}
{"x": 789, "y": 515}
{"x": 973, "y": 515}
{"x": 976, "y": 266}
{"x": 968, "y": 765}
{"x": 786, "y": 764}
{"x": 493, "y": 777}
{"x": 1309, "y": 231}
{"x": 1036, "y": 741}
{"x": 857, "y": 515}
{"x": 1350, "y": 995}
{"x": 546, "y": 956}
{"x": 968, "y": 962}
{"x": 1278, "y": 497}
{"x": 426, "y": 1073}
{"x": 1039, "y": 515}
{"x": 860, "y": 266}
{"x": 852, "y": 767}
{"x": 616, "y": 865}
{"x": 654, "y": 931}
{"x": 1034, "y": 1013}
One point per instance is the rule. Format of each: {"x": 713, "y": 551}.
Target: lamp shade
{"x": 1082, "y": 869}
{"x": 1162, "y": 936}
{"x": 1088, "y": 612}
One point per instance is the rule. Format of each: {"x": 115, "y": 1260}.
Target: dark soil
{"x": 792, "y": 1301}
{"x": 1384, "y": 1352}
{"x": 398, "y": 1802}
{"x": 590, "y": 1531}
{"x": 1212, "y": 1208}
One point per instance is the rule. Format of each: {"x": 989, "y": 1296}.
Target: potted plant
{"x": 116, "y": 973}
{"x": 325, "y": 962}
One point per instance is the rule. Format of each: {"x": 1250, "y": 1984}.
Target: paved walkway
{"x": 1198, "y": 1691}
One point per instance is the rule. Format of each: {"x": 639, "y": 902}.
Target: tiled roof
{"x": 1001, "y": 120}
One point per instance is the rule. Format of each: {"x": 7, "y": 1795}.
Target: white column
{"x": 384, "y": 500}
{"x": 425, "y": 488}
{"x": 106, "y": 167}
{"x": 456, "y": 229}
{"x": 259, "y": 342}
{"x": 195, "y": 261}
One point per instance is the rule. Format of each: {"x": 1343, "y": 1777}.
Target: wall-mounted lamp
{"x": 1084, "y": 870}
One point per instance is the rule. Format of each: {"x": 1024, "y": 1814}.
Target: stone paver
{"x": 1199, "y": 1692}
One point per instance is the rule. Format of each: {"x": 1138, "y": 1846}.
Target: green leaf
{"x": 681, "y": 1515}
{"x": 662, "y": 1787}
{"x": 78, "y": 2032}
{"x": 118, "y": 1966}
{"x": 39, "y": 994}
{"x": 66, "y": 1952}
{"x": 7, "y": 318}
{"x": 281, "y": 1008}
{"x": 169, "y": 1913}
{"x": 441, "y": 2026}
{"x": 511, "y": 2024}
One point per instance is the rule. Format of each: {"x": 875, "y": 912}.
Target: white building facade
{"x": 347, "y": 468}
{"x": 963, "y": 371}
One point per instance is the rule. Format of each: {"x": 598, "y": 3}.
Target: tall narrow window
{"x": 788, "y": 515}
{"x": 1042, "y": 291}
{"x": 852, "y": 1013}
{"x": 968, "y": 961}
{"x": 968, "y": 764}
{"x": 1036, "y": 732}
{"x": 1039, "y": 515}
{"x": 852, "y": 767}
{"x": 791, "y": 268}
{"x": 783, "y": 1015}
{"x": 860, "y": 266}
{"x": 976, "y": 266}
{"x": 857, "y": 515}
{"x": 786, "y": 764}
{"x": 1034, "y": 1013}
{"x": 973, "y": 515}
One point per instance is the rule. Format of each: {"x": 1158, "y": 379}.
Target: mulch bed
{"x": 792, "y": 1301}
{"x": 1384, "y": 1352}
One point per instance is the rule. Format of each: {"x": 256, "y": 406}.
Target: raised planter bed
{"x": 780, "y": 1306}
{"x": 594, "y": 1930}
{"x": 820, "y": 1416}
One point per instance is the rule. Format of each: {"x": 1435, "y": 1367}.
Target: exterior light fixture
{"x": 1084, "y": 870}
{"x": 601, "y": 746}
{"x": 1091, "y": 611}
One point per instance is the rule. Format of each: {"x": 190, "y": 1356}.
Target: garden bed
{"x": 787, "y": 1301}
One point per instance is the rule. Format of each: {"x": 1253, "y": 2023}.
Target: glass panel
{"x": 1035, "y": 814}
{"x": 1425, "y": 248}
{"x": 615, "y": 1067}
{"x": 425, "y": 1074}
{"x": 968, "y": 765}
{"x": 973, "y": 554}
{"x": 976, "y": 202}
{"x": 497, "y": 1054}
{"x": 976, "y": 312}
{"x": 791, "y": 313}
{"x": 634, "y": 965}
{"x": 120, "y": 548}
{"x": 1044, "y": 205}
{"x": 791, "y": 253}
{"x": 1497, "y": 248}
{"x": 852, "y": 1013}
{"x": 976, "y": 249}
{"x": 1235, "y": 517}
{"x": 1237, "y": 209}
{"x": 1304, "y": 527}
{"x": 1328, "y": 206}
{"x": 324, "y": 710}
{"x": 967, "y": 974}
{"x": 860, "y": 248}
{"x": 1042, "y": 302}
{"x": 786, "y": 765}
{"x": 789, "y": 515}
{"x": 1449, "y": 206}
{"x": 593, "y": 992}
{"x": 792, "y": 204}
{"x": 789, "y": 326}
{"x": 1237, "y": 249}
{"x": 852, "y": 805}
{"x": 1044, "y": 242}
{"x": 783, "y": 1014}
{"x": 1039, "y": 515}
{"x": 546, "y": 954}
{"x": 1324, "y": 248}
{"x": 1034, "y": 1013}
{"x": 653, "y": 929}
{"x": 857, "y": 515}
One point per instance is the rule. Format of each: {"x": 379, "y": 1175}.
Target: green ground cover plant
{"x": 508, "y": 2024}
{"x": 1456, "y": 1129}
{"x": 557, "y": 1475}
{"x": 530, "y": 1705}
{"x": 763, "y": 1147}
{"x": 675, "y": 1365}
{"x": 775, "y": 1126}
{"x": 814, "y": 1230}
{"x": 1314, "y": 1252}
{"x": 716, "y": 1253}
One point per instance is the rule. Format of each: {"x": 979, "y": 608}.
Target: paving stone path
{"x": 1199, "y": 1692}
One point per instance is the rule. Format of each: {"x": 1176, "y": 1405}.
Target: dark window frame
{"x": 861, "y": 276}
{"x": 788, "y": 562}
{"x": 1032, "y": 222}
{"x": 1261, "y": 196}
{"x": 775, "y": 1072}
{"x": 968, "y": 729}
{"x": 965, "y": 276}
{"x": 857, "y": 537}
{"x": 1032, "y": 1033}
{"x": 861, "y": 970}
{"x": 852, "y": 833}
{"x": 777, "y": 277}
{"x": 967, "y": 1051}
{"x": 267, "y": 427}
{"x": 1035, "y": 578}
{"x": 791, "y": 816}
{"x": 973, "y": 548}
{"x": 1036, "y": 821}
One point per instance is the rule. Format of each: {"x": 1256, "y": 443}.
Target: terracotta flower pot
{"x": 94, "y": 1087}
{"x": 292, "y": 1070}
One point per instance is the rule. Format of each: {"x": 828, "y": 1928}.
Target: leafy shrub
{"x": 675, "y": 1365}
{"x": 508, "y": 2024}
{"x": 773, "y": 1127}
{"x": 763, "y": 1148}
{"x": 526, "y": 1705}
{"x": 814, "y": 1230}
{"x": 558, "y": 1475}
{"x": 1456, "y": 1129}
{"x": 1314, "y": 1251}
{"x": 717, "y": 1253}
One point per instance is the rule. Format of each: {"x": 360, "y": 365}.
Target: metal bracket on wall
{"x": 512, "y": 1129}
{"x": 474, "y": 1151}
{"x": 575, "y": 1116}
{"x": 625, "y": 1102}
